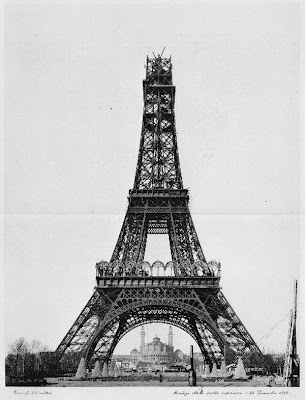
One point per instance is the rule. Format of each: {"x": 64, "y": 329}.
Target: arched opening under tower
{"x": 134, "y": 313}
{"x": 155, "y": 346}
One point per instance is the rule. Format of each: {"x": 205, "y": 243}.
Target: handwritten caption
{"x": 32, "y": 392}
{"x": 204, "y": 392}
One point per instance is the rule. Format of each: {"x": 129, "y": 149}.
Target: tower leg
{"x": 96, "y": 373}
{"x": 105, "y": 370}
{"x": 81, "y": 370}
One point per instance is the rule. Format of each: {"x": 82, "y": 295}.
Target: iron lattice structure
{"x": 184, "y": 292}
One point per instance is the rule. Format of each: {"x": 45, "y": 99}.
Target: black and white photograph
{"x": 152, "y": 204}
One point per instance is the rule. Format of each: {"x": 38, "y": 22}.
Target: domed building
{"x": 155, "y": 351}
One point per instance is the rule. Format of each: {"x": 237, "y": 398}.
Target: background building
{"x": 155, "y": 352}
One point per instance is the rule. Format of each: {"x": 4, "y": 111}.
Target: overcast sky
{"x": 73, "y": 111}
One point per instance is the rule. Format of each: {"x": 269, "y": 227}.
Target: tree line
{"x": 28, "y": 361}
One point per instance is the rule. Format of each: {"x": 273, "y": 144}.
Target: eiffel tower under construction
{"x": 184, "y": 291}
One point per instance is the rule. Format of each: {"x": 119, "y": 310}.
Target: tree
{"x": 70, "y": 361}
{"x": 19, "y": 347}
{"x": 23, "y": 360}
{"x": 37, "y": 347}
{"x": 266, "y": 363}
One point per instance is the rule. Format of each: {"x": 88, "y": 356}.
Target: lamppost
{"x": 192, "y": 372}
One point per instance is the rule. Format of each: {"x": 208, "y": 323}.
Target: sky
{"x": 73, "y": 111}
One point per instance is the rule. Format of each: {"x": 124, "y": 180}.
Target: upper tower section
{"x": 158, "y": 164}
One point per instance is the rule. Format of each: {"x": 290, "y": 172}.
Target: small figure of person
{"x": 160, "y": 377}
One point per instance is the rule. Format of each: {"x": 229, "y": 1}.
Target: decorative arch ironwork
{"x": 129, "y": 314}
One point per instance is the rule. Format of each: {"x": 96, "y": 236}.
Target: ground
{"x": 69, "y": 382}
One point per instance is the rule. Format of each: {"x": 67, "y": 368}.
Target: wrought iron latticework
{"x": 158, "y": 203}
{"x": 158, "y": 162}
{"x": 185, "y": 291}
